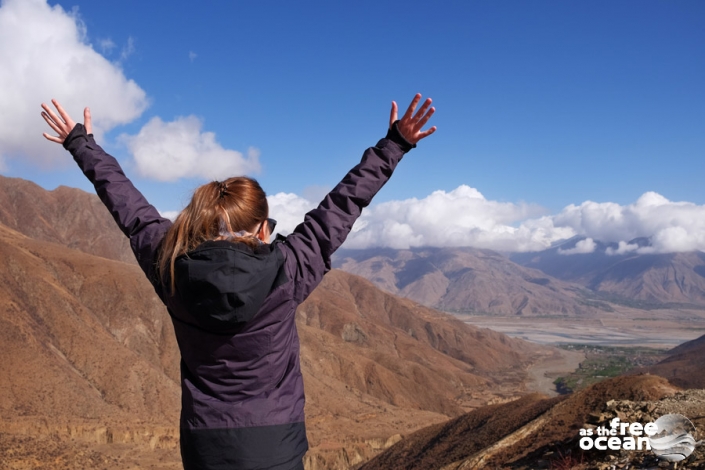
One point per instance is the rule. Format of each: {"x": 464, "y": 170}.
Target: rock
{"x": 594, "y": 418}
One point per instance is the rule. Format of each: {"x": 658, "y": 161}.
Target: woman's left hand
{"x": 63, "y": 124}
{"x": 411, "y": 124}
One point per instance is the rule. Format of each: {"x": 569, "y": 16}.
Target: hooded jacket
{"x": 234, "y": 310}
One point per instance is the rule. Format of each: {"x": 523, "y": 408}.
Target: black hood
{"x": 223, "y": 284}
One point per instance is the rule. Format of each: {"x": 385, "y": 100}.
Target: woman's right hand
{"x": 63, "y": 125}
{"x": 410, "y": 124}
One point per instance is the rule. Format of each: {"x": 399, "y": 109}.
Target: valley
{"x": 626, "y": 332}
{"x": 624, "y": 327}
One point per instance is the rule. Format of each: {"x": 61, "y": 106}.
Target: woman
{"x": 232, "y": 295}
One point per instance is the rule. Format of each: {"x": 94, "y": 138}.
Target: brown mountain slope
{"x": 684, "y": 365}
{"x": 400, "y": 353}
{"x": 515, "y": 434}
{"x": 72, "y": 348}
{"x": 67, "y": 216}
{"x": 376, "y": 366}
{"x": 445, "y": 443}
{"x": 466, "y": 280}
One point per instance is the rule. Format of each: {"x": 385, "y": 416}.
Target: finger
{"x": 420, "y": 114}
{"x": 53, "y": 138}
{"x": 67, "y": 119}
{"x": 393, "y": 114}
{"x": 57, "y": 120}
{"x": 424, "y": 134}
{"x": 87, "y": 121}
{"x": 425, "y": 119}
{"x": 51, "y": 123}
{"x": 410, "y": 110}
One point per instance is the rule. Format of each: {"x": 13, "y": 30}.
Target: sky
{"x": 555, "y": 119}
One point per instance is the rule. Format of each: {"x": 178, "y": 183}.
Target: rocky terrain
{"x": 535, "y": 432}
{"x": 468, "y": 280}
{"x": 90, "y": 366}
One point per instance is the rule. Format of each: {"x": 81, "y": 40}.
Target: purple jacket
{"x": 234, "y": 311}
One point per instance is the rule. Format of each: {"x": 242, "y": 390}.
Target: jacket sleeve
{"x": 137, "y": 219}
{"x": 325, "y": 228}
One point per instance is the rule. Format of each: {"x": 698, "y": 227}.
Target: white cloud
{"x": 288, "y": 209}
{"x": 622, "y": 248}
{"x": 584, "y": 246}
{"x": 463, "y": 217}
{"x": 192, "y": 56}
{"x": 128, "y": 49}
{"x": 106, "y": 45}
{"x": 671, "y": 226}
{"x": 44, "y": 54}
{"x": 167, "y": 151}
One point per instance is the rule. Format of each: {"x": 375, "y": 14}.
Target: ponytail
{"x": 216, "y": 208}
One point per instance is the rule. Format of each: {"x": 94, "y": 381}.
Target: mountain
{"x": 466, "y": 280}
{"x": 684, "y": 364}
{"x": 538, "y": 432}
{"x": 90, "y": 359}
{"x": 67, "y": 216}
{"x": 372, "y": 361}
{"x": 639, "y": 279}
{"x": 81, "y": 336}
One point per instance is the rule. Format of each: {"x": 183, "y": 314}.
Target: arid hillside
{"x": 89, "y": 358}
{"x": 535, "y": 432}
{"x": 90, "y": 365}
{"x": 67, "y": 216}
{"x": 372, "y": 362}
{"x": 81, "y": 336}
{"x": 685, "y": 365}
{"x": 467, "y": 280}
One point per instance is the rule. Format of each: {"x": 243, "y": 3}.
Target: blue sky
{"x": 547, "y": 103}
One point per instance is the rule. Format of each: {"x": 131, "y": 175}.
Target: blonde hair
{"x": 236, "y": 204}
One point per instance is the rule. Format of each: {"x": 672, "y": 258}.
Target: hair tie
{"x": 223, "y": 189}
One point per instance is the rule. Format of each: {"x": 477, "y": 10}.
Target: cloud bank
{"x": 464, "y": 217}
{"x": 671, "y": 226}
{"x": 45, "y": 54}
{"x": 167, "y": 151}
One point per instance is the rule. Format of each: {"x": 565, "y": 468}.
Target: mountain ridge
{"x": 467, "y": 280}
{"x": 650, "y": 278}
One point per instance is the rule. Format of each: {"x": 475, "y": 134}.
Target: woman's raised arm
{"x": 325, "y": 228}
{"x": 137, "y": 219}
